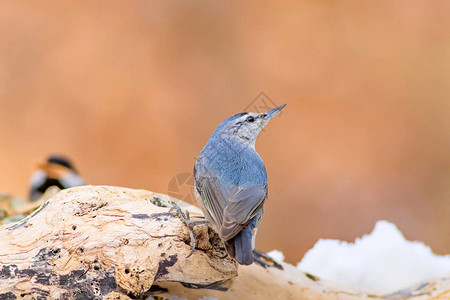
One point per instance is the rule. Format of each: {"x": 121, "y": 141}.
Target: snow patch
{"x": 276, "y": 256}
{"x": 382, "y": 262}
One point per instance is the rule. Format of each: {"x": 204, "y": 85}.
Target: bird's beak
{"x": 271, "y": 113}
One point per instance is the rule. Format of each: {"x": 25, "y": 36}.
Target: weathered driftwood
{"x": 91, "y": 241}
{"x": 117, "y": 243}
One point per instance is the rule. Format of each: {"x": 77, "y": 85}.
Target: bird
{"x": 56, "y": 171}
{"x": 230, "y": 181}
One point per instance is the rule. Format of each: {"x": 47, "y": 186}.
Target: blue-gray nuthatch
{"x": 231, "y": 181}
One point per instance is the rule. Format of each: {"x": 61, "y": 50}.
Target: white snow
{"x": 382, "y": 262}
{"x": 276, "y": 255}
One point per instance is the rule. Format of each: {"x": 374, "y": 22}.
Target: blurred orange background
{"x": 131, "y": 91}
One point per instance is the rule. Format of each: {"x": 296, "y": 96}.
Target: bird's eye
{"x": 250, "y": 119}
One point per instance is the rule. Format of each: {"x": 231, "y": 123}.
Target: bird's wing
{"x": 213, "y": 198}
{"x": 243, "y": 205}
{"x": 229, "y": 207}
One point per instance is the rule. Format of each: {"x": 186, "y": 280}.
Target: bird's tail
{"x": 243, "y": 247}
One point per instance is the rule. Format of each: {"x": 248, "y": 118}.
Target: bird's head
{"x": 57, "y": 166}
{"x": 245, "y": 127}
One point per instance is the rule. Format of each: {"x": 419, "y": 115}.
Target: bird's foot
{"x": 260, "y": 258}
{"x": 189, "y": 223}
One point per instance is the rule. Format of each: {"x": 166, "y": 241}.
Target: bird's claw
{"x": 190, "y": 225}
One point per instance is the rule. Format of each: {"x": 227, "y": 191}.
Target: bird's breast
{"x": 234, "y": 165}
